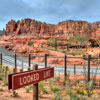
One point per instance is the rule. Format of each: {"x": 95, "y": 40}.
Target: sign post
{"x": 35, "y": 86}
{"x": 22, "y": 79}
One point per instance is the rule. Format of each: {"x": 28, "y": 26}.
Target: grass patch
{"x": 1, "y": 77}
{"x": 54, "y": 89}
{"x": 5, "y": 83}
{"x": 1, "y": 89}
{"x": 28, "y": 88}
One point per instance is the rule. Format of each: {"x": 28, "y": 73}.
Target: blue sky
{"x": 50, "y": 11}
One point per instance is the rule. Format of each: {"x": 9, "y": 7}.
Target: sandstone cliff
{"x": 66, "y": 27}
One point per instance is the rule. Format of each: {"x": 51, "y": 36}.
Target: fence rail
{"x": 65, "y": 57}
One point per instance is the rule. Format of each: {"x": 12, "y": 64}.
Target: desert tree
{"x": 52, "y": 42}
{"x": 78, "y": 40}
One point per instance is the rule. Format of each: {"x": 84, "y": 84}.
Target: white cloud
{"x": 50, "y": 11}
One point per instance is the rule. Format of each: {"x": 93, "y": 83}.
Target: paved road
{"x": 9, "y": 61}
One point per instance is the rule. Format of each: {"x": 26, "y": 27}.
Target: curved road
{"x": 9, "y": 61}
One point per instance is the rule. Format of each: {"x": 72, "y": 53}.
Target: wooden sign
{"x": 10, "y": 79}
{"x": 22, "y": 79}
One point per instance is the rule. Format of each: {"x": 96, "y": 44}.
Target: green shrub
{"x": 28, "y": 68}
{"x": 1, "y": 77}
{"x": 73, "y": 95}
{"x": 41, "y": 85}
{"x": 21, "y": 70}
{"x": 28, "y": 88}
{"x": 7, "y": 68}
{"x": 5, "y": 83}
{"x": 1, "y": 89}
{"x": 30, "y": 43}
{"x": 74, "y": 54}
{"x": 51, "y": 80}
{"x": 76, "y": 81}
{"x": 57, "y": 78}
{"x": 94, "y": 45}
{"x": 52, "y": 42}
{"x": 14, "y": 94}
{"x": 89, "y": 86}
{"x": 85, "y": 57}
{"x": 14, "y": 70}
{"x": 84, "y": 98}
{"x": 57, "y": 96}
{"x": 44, "y": 90}
{"x": 54, "y": 89}
{"x": 80, "y": 91}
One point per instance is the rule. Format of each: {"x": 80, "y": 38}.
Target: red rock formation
{"x": 11, "y": 27}
{"x": 29, "y": 26}
{"x": 66, "y": 27}
{"x": 76, "y": 27}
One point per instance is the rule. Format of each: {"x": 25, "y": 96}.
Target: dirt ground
{"x": 22, "y": 95}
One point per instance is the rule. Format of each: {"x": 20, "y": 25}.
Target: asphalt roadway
{"x": 10, "y": 61}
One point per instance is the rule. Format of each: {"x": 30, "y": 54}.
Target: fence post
{"x": 15, "y": 63}
{"x": 15, "y": 70}
{"x": 35, "y": 86}
{"x": 74, "y": 69}
{"x": 45, "y": 60}
{"x": 29, "y": 63}
{"x": 89, "y": 58}
{"x": 22, "y": 64}
{"x": 1, "y": 59}
{"x": 65, "y": 66}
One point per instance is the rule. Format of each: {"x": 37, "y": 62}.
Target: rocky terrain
{"x": 69, "y": 27}
{"x": 19, "y": 45}
{"x": 18, "y": 36}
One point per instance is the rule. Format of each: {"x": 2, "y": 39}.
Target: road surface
{"x": 9, "y": 61}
